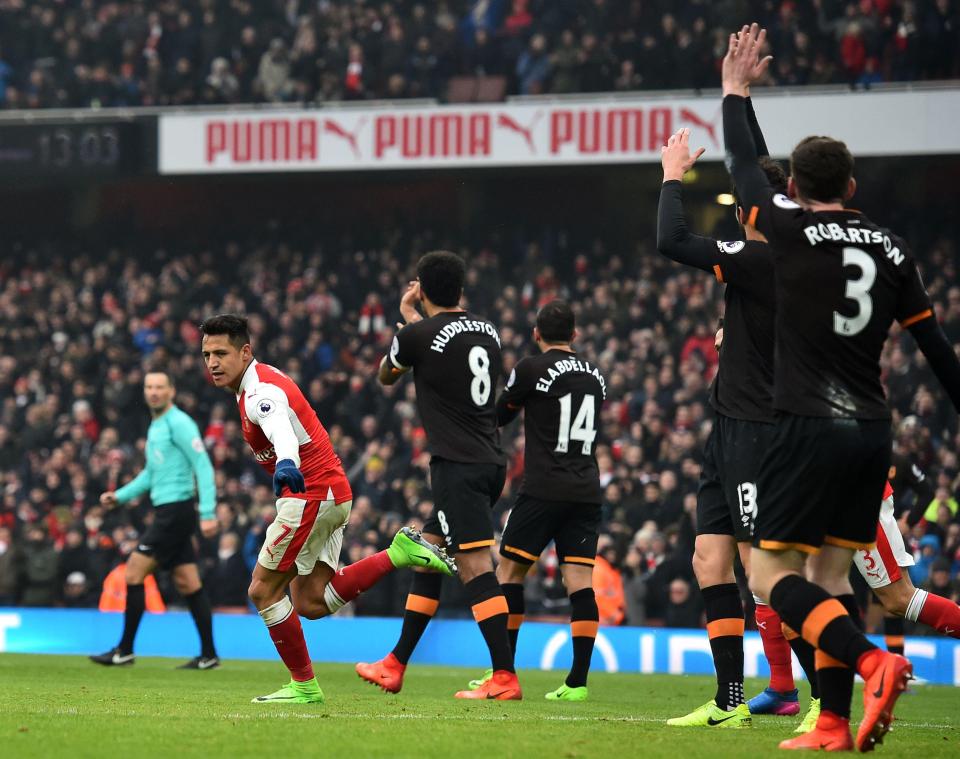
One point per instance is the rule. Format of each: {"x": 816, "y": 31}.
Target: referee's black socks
{"x": 490, "y": 611}
{"x": 132, "y": 614}
{"x": 724, "y": 611}
{"x": 199, "y": 605}
{"x": 422, "y": 603}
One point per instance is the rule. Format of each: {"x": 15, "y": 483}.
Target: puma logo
{"x": 508, "y": 122}
{"x": 332, "y": 127}
{"x": 687, "y": 115}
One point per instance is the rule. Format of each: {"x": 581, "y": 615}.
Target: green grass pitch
{"x": 64, "y": 706}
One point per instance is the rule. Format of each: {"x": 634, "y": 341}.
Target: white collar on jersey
{"x": 248, "y": 377}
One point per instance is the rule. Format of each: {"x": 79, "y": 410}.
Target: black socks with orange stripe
{"x": 835, "y": 677}
{"x": 489, "y": 608}
{"x": 821, "y": 619}
{"x": 893, "y": 634}
{"x": 422, "y": 604}
{"x": 513, "y": 592}
{"x": 584, "y": 621}
{"x": 724, "y": 611}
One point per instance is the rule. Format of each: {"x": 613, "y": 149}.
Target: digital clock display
{"x": 90, "y": 149}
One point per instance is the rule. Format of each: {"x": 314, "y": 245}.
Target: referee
{"x": 177, "y": 466}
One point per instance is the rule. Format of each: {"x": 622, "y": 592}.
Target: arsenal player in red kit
{"x": 301, "y": 548}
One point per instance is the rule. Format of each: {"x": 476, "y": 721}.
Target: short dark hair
{"x": 234, "y": 326}
{"x": 821, "y": 168}
{"x": 776, "y": 176}
{"x": 161, "y": 370}
{"x": 441, "y": 274}
{"x": 555, "y": 322}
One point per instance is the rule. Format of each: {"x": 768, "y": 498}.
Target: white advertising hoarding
{"x": 543, "y": 133}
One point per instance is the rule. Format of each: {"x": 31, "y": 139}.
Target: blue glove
{"x": 287, "y": 474}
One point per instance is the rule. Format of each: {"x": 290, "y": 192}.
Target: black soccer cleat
{"x": 201, "y": 662}
{"x": 113, "y": 658}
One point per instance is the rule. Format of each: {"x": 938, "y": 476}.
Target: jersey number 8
{"x": 479, "y": 362}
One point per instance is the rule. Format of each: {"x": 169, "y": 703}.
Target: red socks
{"x": 776, "y": 648}
{"x": 283, "y": 624}
{"x": 350, "y": 582}
{"x": 942, "y": 614}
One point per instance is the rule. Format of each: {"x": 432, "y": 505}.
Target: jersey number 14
{"x": 582, "y": 430}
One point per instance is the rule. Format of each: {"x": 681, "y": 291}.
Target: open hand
{"x": 675, "y": 155}
{"x": 742, "y": 65}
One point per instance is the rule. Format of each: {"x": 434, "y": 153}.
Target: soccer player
{"x": 455, "y": 358}
{"x": 881, "y": 568}
{"x": 742, "y": 397}
{"x": 176, "y": 469}
{"x": 559, "y": 499}
{"x": 301, "y": 548}
{"x": 840, "y": 281}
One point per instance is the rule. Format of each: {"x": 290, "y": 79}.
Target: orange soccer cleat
{"x": 885, "y": 677}
{"x": 832, "y": 733}
{"x": 386, "y": 673}
{"x": 502, "y": 686}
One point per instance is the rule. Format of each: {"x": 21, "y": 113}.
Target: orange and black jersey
{"x": 840, "y": 281}
{"x": 561, "y": 395}
{"x": 743, "y": 387}
{"x": 456, "y": 362}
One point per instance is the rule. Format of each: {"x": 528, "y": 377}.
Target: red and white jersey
{"x": 279, "y": 423}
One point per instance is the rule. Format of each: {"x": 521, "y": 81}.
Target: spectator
{"x": 533, "y": 67}
{"x": 39, "y": 582}
{"x": 273, "y": 73}
{"x": 684, "y": 609}
{"x": 227, "y": 578}
{"x": 9, "y": 568}
{"x": 608, "y": 585}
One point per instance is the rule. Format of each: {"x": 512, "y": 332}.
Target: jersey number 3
{"x": 582, "y": 430}
{"x": 857, "y": 290}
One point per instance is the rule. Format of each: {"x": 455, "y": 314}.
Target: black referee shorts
{"x": 463, "y": 499}
{"x": 169, "y": 540}
{"x": 533, "y": 523}
{"x": 727, "y": 493}
{"x": 822, "y": 482}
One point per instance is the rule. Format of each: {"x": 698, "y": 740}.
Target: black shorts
{"x": 463, "y": 499}
{"x": 727, "y": 493}
{"x": 822, "y": 482}
{"x": 169, "y": 540}
{"x": 533, "y": 523}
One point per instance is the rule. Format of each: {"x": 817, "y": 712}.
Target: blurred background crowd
{"x": 81, "y": 53}
{"x": 78, "y": 329}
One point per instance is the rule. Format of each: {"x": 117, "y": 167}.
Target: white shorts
{"x": 880, "y": 566}
{"x": 304, "y": 533}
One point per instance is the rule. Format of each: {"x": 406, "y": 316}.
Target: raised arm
{"x": 741, "y": 66}
{"x": 674, "y": 239}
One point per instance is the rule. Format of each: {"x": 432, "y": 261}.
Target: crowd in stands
{"x": 67, "y": 53}
{"x": 77, "y": 331}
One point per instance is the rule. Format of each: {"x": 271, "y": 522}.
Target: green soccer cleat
{"x": 474, "y": 684}
{"x": 410, "y": 549}
{"x": 711, "y": 715}
{"x": 566, "y": 693}
{"x": 810, "y": 718}
{"x": 293, "y": 693}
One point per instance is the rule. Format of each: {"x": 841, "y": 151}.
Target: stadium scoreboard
{"x": 85, "y": 149}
